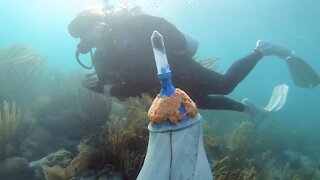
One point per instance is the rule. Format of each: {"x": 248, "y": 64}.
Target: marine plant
{"x": 9, "y": 120}
{"x": 58, "y": 94}
{"x": 20, "y": 68}
{"x": 223, "y": 171}
{"x": 89, "y": 108}
{"x": 209, "y": 63}
{"x": 242, "y": 135}
{"x": 128, "y": 135}
{"x": 118, "y": 146}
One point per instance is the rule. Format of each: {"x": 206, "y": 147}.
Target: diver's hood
{"x": 191, "y": 45}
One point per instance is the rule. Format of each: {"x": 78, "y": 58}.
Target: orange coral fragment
{"x": 168, "y": 107}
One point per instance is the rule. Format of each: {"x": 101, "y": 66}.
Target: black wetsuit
{"x": 128, "y": 61}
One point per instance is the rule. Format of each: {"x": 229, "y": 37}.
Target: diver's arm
{"x": 124, "y": 90}
{"x": 91, "y": 81}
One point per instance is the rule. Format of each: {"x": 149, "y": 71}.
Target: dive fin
{"x": 276, "y": 102}
{"x": 278, "y": 98}
{"x": 302, "y": 73}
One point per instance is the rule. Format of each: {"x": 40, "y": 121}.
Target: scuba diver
{"x": 125, "y": 67}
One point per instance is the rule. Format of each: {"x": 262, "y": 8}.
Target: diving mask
{"x": 88, "y": 40}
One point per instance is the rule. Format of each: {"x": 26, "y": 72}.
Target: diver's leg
{"x": 241, "y": 68}
{"x": 221, "y": 103}
{"x": 209, "y": 81}
{"x": 236, "y": 73}
{"x": 224, "y": 103}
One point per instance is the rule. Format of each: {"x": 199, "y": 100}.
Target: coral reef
{"x": 116, "y": 148}
{"x": 264, "y": 145}
{"x": 68, "y": 132}
{"x": 78, "y": 165}
{"x": 55, "y": 173}
{"x": 14, "y": 168}
{"x": 60, "y": 158}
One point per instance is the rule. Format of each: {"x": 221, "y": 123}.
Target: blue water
{"x": 224, "y": 28}
{"x": 227, "y": 29}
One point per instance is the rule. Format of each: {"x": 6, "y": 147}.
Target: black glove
{"x": 92, "y": 82}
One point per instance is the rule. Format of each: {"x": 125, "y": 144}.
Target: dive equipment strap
{"x": 79, "y": 61}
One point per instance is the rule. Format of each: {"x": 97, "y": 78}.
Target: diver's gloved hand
{"x": 271, "y": 49}
{"x": 107, "y": 88}
{"x": 90, "y": 81}
{"x": 250, "y": 108}
{"x": 107, "y": 91}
